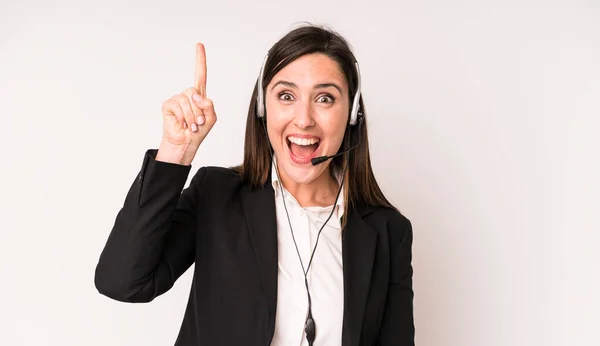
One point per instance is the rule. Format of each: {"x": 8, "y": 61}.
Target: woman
{"x": 293, "y": 247}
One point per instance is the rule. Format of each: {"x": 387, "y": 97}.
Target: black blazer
{"x": 228, "y": 230}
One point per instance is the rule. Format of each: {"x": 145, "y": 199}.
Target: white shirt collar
{"x": 275, "y": 184}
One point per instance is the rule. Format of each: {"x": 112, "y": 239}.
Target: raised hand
{"x": 187, "y": 118}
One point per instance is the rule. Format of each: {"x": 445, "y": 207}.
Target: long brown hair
{"x": 360, "y": 185}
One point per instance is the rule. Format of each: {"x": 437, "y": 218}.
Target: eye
{"x": 285, "y": 96}
{"x": 327, "y": 98}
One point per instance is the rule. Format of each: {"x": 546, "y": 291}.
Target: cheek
{"x": 276, "y": 121}
{"x": 335, "y": 128}
{"x": 275, "y": 131}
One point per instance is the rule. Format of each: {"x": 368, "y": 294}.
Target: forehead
{"x": 312, "y": 69}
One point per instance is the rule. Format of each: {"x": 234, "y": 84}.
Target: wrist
{"x": 174, "y": 153}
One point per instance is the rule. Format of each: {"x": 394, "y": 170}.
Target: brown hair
{"x": 360, "y": 186}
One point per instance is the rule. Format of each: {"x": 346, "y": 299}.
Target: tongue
{"x": 303, "y": 151}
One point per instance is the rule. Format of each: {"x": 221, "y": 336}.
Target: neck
{"x": 320, "y": 192}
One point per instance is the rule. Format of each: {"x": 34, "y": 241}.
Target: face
{"x": 307, "y": 111}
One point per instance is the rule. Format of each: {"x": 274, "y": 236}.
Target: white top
{"x": 325, "y": 276}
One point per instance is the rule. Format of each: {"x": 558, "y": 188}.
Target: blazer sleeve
{"x": 152, "y": 242}
{"x": 398, "y": 323}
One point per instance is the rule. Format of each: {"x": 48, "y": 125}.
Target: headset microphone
{"x": 320, "y": 159}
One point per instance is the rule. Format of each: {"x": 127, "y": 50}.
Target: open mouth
{"x": 302, "y": 149}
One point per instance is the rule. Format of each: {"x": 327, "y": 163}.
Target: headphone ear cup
{"x": 260, "y": 106}
{"x": 356, "y": 102}
{"x": 260, "y": 96}
{"x": 260, "y": 102}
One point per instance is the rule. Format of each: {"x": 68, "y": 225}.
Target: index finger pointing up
{"x": 200, "y": 77}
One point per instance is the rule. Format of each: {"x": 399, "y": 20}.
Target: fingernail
{"x": 194, "y": 128}
{"x": 200, "y": 120}
{"x": 197, "y": 98}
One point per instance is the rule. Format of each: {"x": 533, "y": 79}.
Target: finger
{"x": 188, "y": 113}
{"x": 200, "y": 77}
{"x": 195, "y": 100}
{"x": 172, "y": 108}
{"x": 208, "y": 109}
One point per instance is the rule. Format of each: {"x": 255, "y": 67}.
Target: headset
{"x": 356, "y": 117}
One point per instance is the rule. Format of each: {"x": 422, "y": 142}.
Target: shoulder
{"x": 391, "y": 223}
{"x": 216, "y": 178}
{"x": 219, "y": 174}
{"x": 212, "y": 187}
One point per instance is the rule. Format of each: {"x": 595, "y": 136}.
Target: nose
{"x": 304, "y": 116}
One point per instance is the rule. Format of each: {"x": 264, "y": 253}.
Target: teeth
{"x": 303, "y": 141}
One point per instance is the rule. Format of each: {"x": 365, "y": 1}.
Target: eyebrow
{"x": 318, "y": 86}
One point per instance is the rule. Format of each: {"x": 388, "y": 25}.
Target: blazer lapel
{"x": 358, "y": 251}
{"x": 259, "y": 208}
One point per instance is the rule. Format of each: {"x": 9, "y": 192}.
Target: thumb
{"x": 197, "y": 99}
{"x": 207, "y": 107}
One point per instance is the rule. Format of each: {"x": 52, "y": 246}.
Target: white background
{"x": 484, "y": 121}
